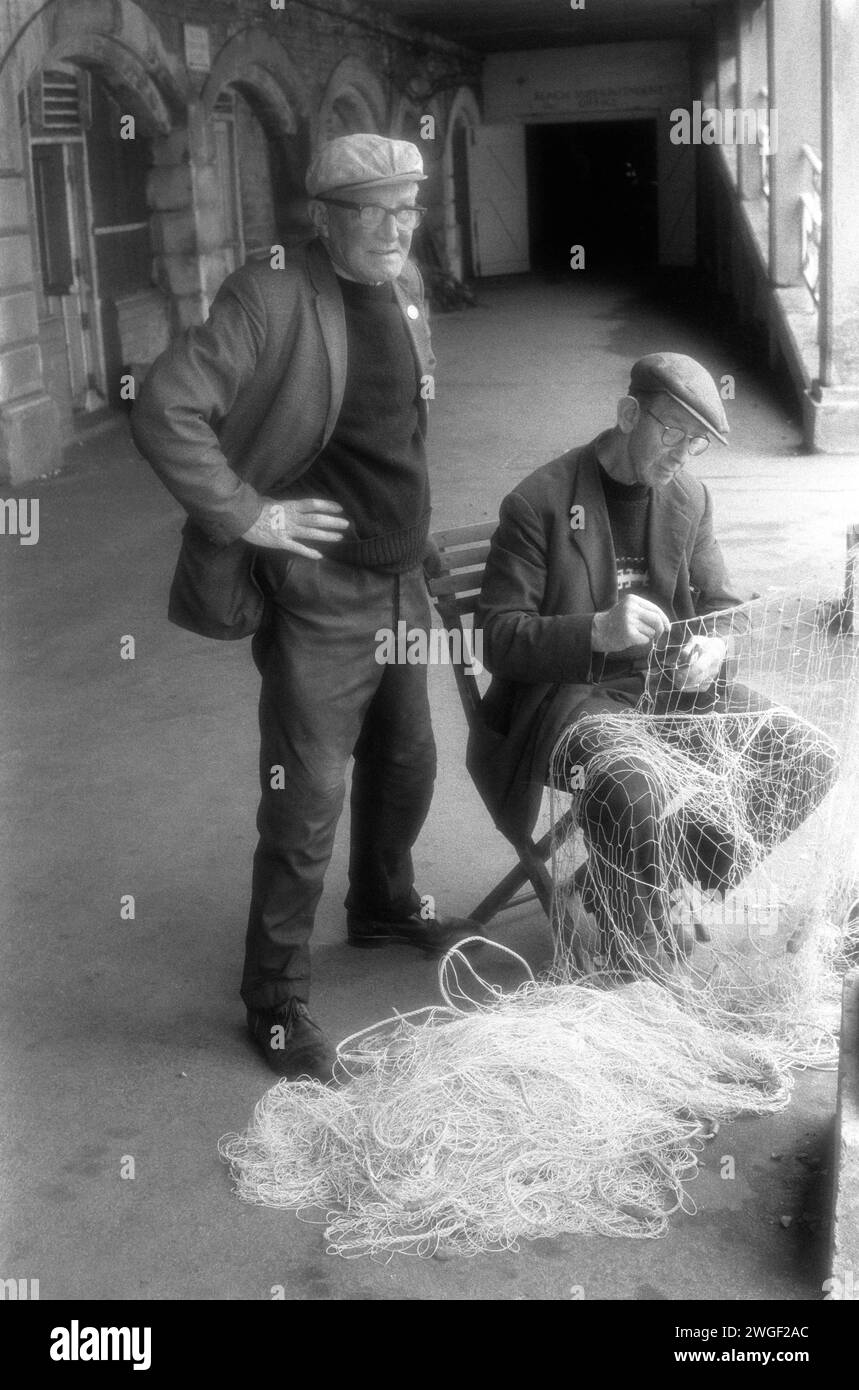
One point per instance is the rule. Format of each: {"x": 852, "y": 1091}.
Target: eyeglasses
{"x": 672, "y": 436}
{"x": 372, "y": 215}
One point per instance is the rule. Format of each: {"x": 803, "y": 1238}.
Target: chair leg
{"x": 531, "y": 867}
{"x": 500, "y": 895}
{"x": 533, "y": 860}
{"x": 543, "y": 847}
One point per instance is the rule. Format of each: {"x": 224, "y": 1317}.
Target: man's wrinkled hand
{"x": 289, "y": 525}
{"x": 632, "y": 622}
{"x": 698, "y": 663}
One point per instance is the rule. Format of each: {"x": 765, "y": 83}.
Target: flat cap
{"x": 363, "y": 161}
{"x": 687, "y": 382}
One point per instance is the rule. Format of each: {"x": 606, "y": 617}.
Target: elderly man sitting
{"x": 602, "y": 557}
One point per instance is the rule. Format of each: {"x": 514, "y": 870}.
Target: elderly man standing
{"x": 291, "y": 427}
{"x": 601, "y": 558}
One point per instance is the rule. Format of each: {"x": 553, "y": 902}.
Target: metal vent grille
{"x": 59, "y": 102}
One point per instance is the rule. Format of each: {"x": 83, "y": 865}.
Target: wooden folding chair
{"x": 455, "y": 591}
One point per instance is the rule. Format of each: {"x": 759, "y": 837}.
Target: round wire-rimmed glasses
{"x": 672, "y": 435}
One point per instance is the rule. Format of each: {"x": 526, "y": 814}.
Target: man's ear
{"x": 318, "y": 216}
{"x": 628, "y": 414}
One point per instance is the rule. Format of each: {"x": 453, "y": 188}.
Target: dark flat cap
{"x": 363, "y": 161}
{"x": 687, "y": 382}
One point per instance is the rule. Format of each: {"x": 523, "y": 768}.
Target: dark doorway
{"x": 592, "y": 184}
{"x": 118, "y": 167}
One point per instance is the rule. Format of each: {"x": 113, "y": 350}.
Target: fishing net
{"x": 724, "y": 836}
{"x": 697, "y": 949}
{"x": 557, "y": 1108}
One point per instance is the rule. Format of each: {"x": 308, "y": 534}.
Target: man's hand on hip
{"x": 287, "y": 525}
{"x": 632, "y": 622}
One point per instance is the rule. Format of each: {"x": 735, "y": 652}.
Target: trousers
{"x": 323, "y": 699}
{"x": 639, "y": 850}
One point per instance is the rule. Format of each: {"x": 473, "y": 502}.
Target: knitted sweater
{"x": 374, "y": 464}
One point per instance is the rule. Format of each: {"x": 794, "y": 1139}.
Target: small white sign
{"x": 198, "y": 55}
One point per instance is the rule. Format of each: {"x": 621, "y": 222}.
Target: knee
{"x": 812, "y": 757}
{"x": 308, "y": 794}
{"x": 415, "y": 759}
{"x": 622, "y": 796}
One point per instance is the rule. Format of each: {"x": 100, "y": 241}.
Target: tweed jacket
{"x": 544, "y": 581}
{"x": 240, "y": 406}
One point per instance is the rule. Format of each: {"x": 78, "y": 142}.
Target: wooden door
{"x": 499, "y": 199}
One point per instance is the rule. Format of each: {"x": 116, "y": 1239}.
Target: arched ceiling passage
{"x": 493, "y": 26}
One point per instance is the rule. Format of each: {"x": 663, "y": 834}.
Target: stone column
{"x": 187, "y": 235}
{"x": 836, "y": 397}
{"x": 793, "y": 34}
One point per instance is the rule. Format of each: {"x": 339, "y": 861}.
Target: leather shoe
{"x": 431, "y": 934}
{"x": 291, "y": 1043}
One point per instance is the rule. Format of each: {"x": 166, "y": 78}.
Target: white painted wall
{"x": 613, "y": 81}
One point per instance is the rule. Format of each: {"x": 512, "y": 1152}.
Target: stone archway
{"x": 253, "y": 58}
{"x": 464, "y": 114}
{"x": 119, "y": 41}
{"x": 121, "y": 49}
{"x": 354, "y": 100}
{"x": 255, "y": 107}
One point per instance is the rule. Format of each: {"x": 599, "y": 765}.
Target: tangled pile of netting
{"x": 581, "y": 1101}
{"x": 744, "y": 859}
{"x": 558, "y": 1108}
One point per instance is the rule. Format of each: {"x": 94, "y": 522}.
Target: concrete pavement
{"x": 124, "y": 1039}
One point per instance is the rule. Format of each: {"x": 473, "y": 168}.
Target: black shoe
{"x": 291, "y": 1043}
{"x": 432, "y": 934}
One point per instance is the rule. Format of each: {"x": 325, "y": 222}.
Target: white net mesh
{"x": 558, "y": 1108}
{"x": 725, "y": 838}
{"x": 579, "y": 1104}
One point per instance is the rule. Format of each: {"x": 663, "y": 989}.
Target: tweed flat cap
{"x": 687, "y": 382}
{"x": 363, "y": 161}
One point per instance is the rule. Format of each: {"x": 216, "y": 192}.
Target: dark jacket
{"x": 543, "y": 583}
{"x": 240, "y": 406}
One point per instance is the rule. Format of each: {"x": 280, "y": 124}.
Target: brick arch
{"x": 258, "y": 65}
{"x": 405, "y": 118}
{"x": 464, "y": 110}
{"x": 355, "y": 86}
{"x": 120, "y": 43}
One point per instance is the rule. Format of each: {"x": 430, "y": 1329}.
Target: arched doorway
{"x": 87, "y": 157}
{"x": 260, "y": 175}
{"x": 354, "y": 100}
{"x": 464, "y": 115}
{"x": 257, "y": 107}
{"x": 91, "y": 111}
